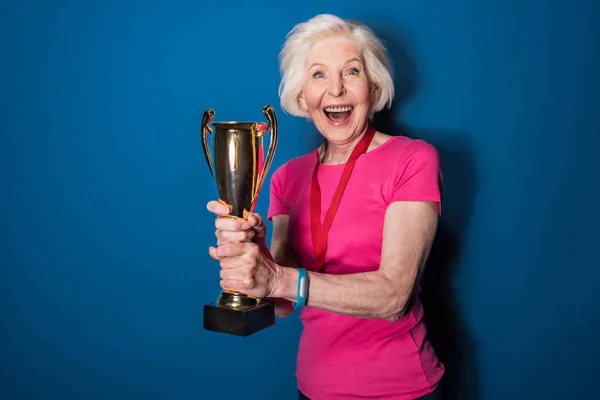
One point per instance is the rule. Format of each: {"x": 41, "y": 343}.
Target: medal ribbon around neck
{"x": 320, "y": 233}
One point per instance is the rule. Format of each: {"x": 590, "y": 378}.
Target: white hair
{"x": 303, "y": 35}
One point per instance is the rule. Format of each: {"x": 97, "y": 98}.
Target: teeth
{"x": 338, "y": 109}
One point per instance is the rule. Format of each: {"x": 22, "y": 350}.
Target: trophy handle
{"x": 269, "y": 113}
{"x": 205, "y": 129}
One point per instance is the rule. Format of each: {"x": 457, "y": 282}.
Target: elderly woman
{"x": 353, "y": 223}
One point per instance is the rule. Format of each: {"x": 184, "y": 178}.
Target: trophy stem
{"x": 236, "y": 301}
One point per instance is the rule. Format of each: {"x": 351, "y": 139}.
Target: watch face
{"x": 302, "y": 285}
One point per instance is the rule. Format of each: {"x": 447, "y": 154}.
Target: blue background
{"x": 104, "y": 231}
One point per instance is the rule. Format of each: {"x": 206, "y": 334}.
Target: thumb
{"x": 256, "y": 221}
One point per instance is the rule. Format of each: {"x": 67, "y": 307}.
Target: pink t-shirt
{"x": 343, "y": 357}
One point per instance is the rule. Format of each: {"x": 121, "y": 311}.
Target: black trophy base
{"x": 240, "y": 322}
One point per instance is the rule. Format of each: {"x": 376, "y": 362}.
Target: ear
{"x": 302, "y": 102}
{"x": 375, "y": 93}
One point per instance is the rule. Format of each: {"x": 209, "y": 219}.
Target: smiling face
{"x": 336, "y": 91}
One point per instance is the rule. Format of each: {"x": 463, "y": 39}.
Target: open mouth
{"x": 338, "y": 114}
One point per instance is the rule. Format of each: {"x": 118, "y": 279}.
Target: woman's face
{"x": 336, "y": 90}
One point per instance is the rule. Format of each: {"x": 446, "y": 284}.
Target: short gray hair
{"x": 303, "y": 35}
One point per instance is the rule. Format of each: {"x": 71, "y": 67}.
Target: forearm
{"x": 364, "y": 295}
{"x": 283, "y": 307}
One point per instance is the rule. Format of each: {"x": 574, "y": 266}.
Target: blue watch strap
{"x": 302, "y": 289}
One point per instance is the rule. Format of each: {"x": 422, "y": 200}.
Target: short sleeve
{"x": 277, "y": 204}
{"x": 420, "y": 178}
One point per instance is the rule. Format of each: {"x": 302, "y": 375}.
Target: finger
{"x": 233, "y": 262}
{"x": 255, "y": 220}
{"x": 258, "y": 225}
{"x": 234, "y": 249}
{"x": 218, "y": 235}
{"x": 231, "y": 224}
{"x": 213, "y": 253}
{"x": 217, "y": 208}
{"x": 238, "y": 273}
{"x": 245, "y": 286}
{"x": 234, "y": 236}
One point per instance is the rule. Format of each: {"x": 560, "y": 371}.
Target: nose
{"x": 336, "y": 87}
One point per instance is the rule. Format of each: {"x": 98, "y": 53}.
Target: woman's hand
{"x": 231, "y": 229}
{"x": 245, "y": 267}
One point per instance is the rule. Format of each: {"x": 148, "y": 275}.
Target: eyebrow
{"x": 354, "y": 59}
{"x": 316, "y": 64}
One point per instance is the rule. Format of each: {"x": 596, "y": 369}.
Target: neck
{"x": 338, "y": 153}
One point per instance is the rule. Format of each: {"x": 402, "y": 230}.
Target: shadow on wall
{"x": 447, "y": 331}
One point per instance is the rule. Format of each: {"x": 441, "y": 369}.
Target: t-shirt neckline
{"x": 362, "y": 156}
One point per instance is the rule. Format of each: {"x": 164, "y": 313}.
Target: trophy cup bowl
{"x": 237, "y": 167}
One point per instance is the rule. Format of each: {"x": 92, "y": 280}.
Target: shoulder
{"x": 286, "y": 181}
{"x": 412, "y": 170}
{"x": 294, "y": 171}
{"x": 404, "y": 149}
{"x": 293, "y": 166}
{"x": 422, "y": 151}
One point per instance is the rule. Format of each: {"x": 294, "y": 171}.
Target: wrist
{"x": 288, "y": 283}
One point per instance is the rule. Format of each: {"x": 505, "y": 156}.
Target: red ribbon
{"x": 320, "y": 233}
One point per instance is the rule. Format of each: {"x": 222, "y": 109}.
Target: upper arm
{"x": 281, "y": 249}
{"x": 278, "y": 214}
{"x": 408, "y": 233}
{"x": 411, "y": 218}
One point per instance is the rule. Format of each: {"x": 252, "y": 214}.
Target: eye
{"x": 353, "y": 71}
{"x": 317, "y": 75}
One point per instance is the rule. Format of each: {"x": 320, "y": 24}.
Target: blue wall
{"x": 104, "y": 232}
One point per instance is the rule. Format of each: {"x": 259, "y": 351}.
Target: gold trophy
{"x": 239, "y": 174}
